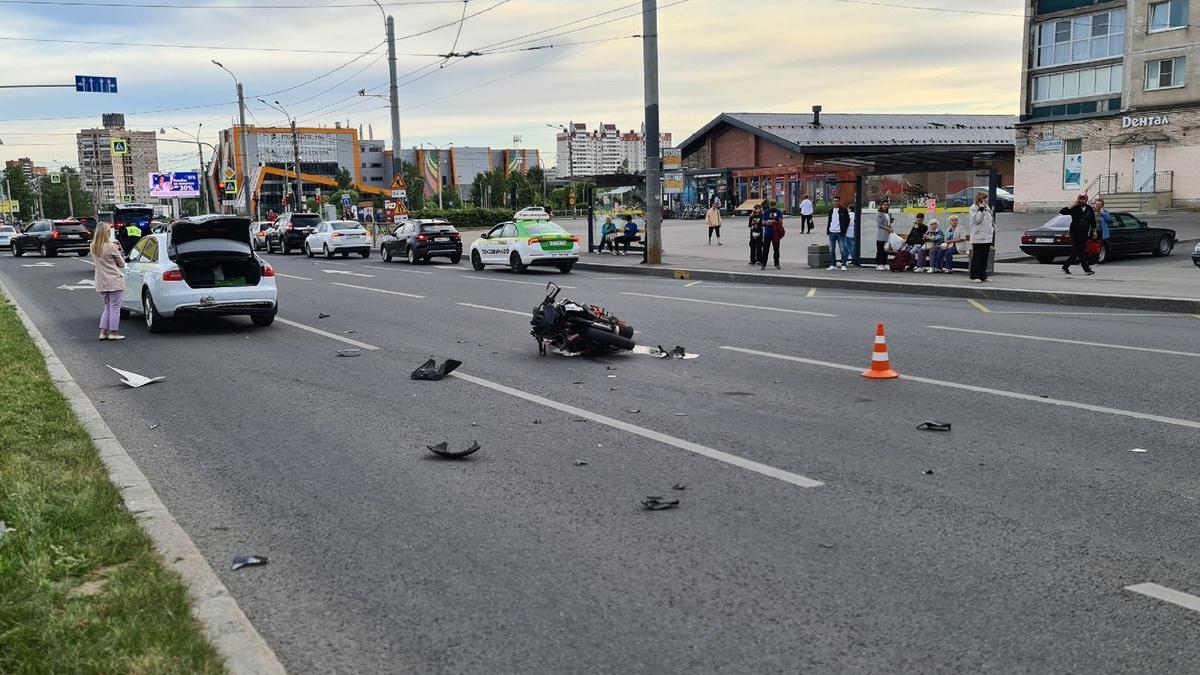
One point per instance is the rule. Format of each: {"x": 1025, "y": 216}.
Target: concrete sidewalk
{"x": 1144, "y": 283}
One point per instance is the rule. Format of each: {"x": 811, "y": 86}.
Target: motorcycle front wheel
{"x": 607, "y": 339}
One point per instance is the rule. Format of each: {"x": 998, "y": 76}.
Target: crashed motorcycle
{"x": 573, "y": 328}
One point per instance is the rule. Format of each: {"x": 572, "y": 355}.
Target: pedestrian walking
{"x": 983, "y": 233}
{"x": 943, "y": 256}
{"x": 806, "y": 214}
{"x": 849, "y": 251}
{"x": 1083, "y": 228}
{"x": 108, "y": 260}
{"x": 756, "y": 233}
{"x": 772, "y": 222}
{"x": 883, "y": 231}
{"x": 712, "y": 218}
{"x": 1106, "y": 223}
{"x": 839, "y": 220}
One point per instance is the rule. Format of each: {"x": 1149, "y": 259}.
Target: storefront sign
{"x": 1048, "y": 146}
{"x": 1145, "y": 121}
{"x": 708, "y": 175}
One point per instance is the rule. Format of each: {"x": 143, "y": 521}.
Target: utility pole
{"x": 653, "y": 152}
{"x": 70, "y": 203}
{"x": 245, "y": 152}
{"x": 394, "y": 98}
{"x": 299, "y": 183}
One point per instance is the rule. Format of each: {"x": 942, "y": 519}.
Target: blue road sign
{"x": 345, "y": 200}
{"x": 96, "y": 84}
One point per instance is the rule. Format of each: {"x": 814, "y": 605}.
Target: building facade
{"x": 114, "y": 178}
{"x": 27, "y": 167}
{"x": 1110, "y": 104}
{"x": 606, "y": 150}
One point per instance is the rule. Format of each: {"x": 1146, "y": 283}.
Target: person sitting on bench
{"x": 630, "y": 234}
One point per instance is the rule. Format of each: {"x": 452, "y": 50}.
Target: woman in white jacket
{"x": 983, "y": 233}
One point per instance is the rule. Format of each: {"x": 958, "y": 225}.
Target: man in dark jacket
{"x": 836, "y": 227}
{"x": 1083, "y": 226}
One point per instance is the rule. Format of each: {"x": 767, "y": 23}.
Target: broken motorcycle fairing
{"x": 577, "y": 329}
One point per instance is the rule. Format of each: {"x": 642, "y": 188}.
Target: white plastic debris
{"x": 133, "y": 379}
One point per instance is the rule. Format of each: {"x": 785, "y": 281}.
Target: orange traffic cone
{"x": 881, "y": 365}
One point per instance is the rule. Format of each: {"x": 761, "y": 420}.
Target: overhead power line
{"x": 174, "y": 46}
{"x": 132, "y": 5}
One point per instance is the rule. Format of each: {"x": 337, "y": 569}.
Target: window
{"x": 1165, "y": 74}
{"x": 1078, "y": 83}
{"x": 1081, "y": 38}
{"x": 1168, "y": 15}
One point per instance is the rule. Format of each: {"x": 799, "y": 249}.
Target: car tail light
{"x": 1063, "y": 238}
{"x": 336, "y": 234}
{"x": 54, "y": 234}
{"x": 1026, "y": 239}
{"x": 290, "y": 226}
{"x": 575, "y": 238}
{"x": 173, "y": 275}
{"x": 535, "y": 240}
{"x": 268, "y": 271}
{"x": 422, "y": 237}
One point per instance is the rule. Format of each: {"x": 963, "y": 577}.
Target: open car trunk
{"x": 214, "y": 252}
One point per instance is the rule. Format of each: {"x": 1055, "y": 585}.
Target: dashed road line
{"x": 693, "y": 283}
{"x": 331, "y": 336}
{"x": 480, "y": 277}
{"x": 1185, "y": 600}
{"x": 1161, "y": 419}
{"x": 291, "y": 276}
{"x": 378, "y": 290}
{"x": 696, "y": 448}
{"x": 397, "y": 269}
{"x": 1069, "y": 342}
{"x": 730, "y": 304}
{"x": 494, "y": 309}
{"x": 983, "y": 308}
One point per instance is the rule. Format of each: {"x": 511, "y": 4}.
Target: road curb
{"x": 225, "y": 625}
{"x": 982, "y": 292}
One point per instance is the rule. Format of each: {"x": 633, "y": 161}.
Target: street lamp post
{"x": 295, "y": 150}
{"x": 242, "y": 124}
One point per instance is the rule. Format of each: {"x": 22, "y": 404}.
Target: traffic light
{"x": 220, "y": 186}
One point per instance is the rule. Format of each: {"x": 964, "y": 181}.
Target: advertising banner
{"x": 672, "y": 183}
{"x": 178, "y": 184}
{"x": 672, "y": 159}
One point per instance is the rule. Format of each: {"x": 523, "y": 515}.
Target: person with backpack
{"x": 772, "y": 221}
{"x": 1083, "y": 228}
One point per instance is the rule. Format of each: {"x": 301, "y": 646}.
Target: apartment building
{"x": 27, "y": 167}
{"x": 1110, "y": 104}
{"x": 606, "y": 150}
{"x": 114, "y": 178}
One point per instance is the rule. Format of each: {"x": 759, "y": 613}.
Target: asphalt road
{"x": 1005, "y": 545}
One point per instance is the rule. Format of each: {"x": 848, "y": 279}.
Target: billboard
{"x": 170, "y": 185}
{"x": 672, "y": 159}
{"x": 672, "y": 182}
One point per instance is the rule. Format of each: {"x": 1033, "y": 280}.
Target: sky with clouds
{"x": 715, "y": 56}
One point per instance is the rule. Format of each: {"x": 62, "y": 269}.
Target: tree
{"x": 415, "y": 185}
{"x": 54, "y": 196}
{"x": 345, "y": 181}
{"x": 20, "y": 191}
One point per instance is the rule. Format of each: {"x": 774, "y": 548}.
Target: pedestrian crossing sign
{"x": 398, "y": 183}
{"x": 119, "y": 146}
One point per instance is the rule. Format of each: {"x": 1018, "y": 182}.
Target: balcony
{"x": 1051, "y": 6}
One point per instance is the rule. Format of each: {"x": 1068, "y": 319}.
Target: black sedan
{"x": 1128, "y": 234}
{"x": 421, "y": 240}
{"x": 1196, "y": 255}
{"x": 50, "y": 237}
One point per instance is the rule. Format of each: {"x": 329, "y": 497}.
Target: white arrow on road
{"x": 41, "y": 264}
{"x": 351, "y": 274}
{"x": 82, "y": 284}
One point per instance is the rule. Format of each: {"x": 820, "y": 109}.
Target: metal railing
{"x": 1104, "y": 184}
{"x": 1159, "y": 182}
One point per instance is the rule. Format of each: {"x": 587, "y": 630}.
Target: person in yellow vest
{"x": 133, "y": 234}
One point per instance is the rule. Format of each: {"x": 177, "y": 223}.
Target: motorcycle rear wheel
{"x": 601, "y": 337}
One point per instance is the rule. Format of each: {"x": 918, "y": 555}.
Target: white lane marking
{"x": 349, "y": 273}
{"x": 378, "y": 290}
{"x": 511, "y": 281}
{"x": 291, "y": 276}
{"x": 730, "y": 304}
{"x": 696, "y": 448}
{"x": 452, "y": 268}
{"x": 1069, "y": 342}
{"x": 88, "y": 284}
{"x": 692, "y": 284}
{"x": 1191, "y": 424}
{"x": 812, "y": 293}
{"x": 1185, "y": 600}
{"x": 983, "y": 308}
{"x": 1139, "y": 450}
{"x": 331, "y": 336}
{"x": 397, "y": 269}
{"x": 41, "y": 264}
{"x": 494, "y": 309}
{"x": 85, "y": 261}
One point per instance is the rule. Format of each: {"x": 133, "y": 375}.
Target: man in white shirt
{"x": 839, "y": 224}
{"x": 806, "y": 214}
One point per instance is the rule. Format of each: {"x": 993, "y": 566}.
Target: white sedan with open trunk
{"x": 202, "y": 265}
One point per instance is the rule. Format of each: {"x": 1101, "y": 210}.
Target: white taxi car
{"x": 522, "y": 244}
{"x": 203, "y": 265}
{"x": 338, "y": 236}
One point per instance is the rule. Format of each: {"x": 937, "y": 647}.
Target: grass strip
{"x": 82, "y": 589}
